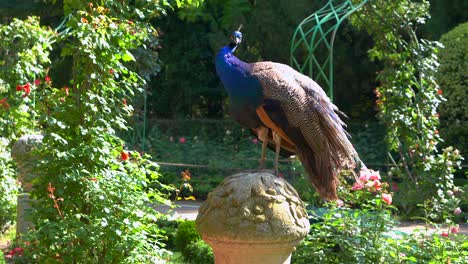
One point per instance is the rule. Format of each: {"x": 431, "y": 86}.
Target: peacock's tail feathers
{"x": 307, "y": 107}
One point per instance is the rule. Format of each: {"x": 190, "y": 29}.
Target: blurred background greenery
{"x": 187, "y": 101}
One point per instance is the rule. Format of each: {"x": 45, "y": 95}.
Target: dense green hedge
{"x": 453, "y": 80}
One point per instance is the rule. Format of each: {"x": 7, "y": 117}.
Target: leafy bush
{"x": 186, "y": 234}
{"x": 168, "y": 232}
{"x": 91, "y": 194}
{"x": 198, "y": 252}
{"x": 8, "y": 188}
{"x": 453, "y": 80}
{"x": 408, "y": 97}
{"x": 360, "y": 229}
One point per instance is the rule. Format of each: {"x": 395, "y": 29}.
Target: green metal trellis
{"x": 318, "y": 31}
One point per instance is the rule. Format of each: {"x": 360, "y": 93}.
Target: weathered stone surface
{"x": 253, "y": 218}
{"x": 21, "y": 153}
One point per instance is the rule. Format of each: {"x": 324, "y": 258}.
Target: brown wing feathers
{"x": 309, "y": 122}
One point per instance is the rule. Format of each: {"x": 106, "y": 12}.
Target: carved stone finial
{"x": 253, "y": 218}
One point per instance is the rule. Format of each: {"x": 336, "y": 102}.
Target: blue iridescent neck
{"x": 236, "y": 76}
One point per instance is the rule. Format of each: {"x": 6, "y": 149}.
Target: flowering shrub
{"x": 91, "y": 194}
{"x": 408, "y": 98}
{"x": 360, "y": 229}
{"x": 352, "y": 230}
{"x": 8, "y": 187}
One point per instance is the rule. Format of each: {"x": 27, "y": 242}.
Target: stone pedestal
{"x": 21, "y": 153}
{"x": 253, "y": 218}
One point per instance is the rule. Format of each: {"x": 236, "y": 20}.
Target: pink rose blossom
{"x": 457, "y": 211}
{"x": 454, "y": 229}
{"x": 377, "y": 185}
{"x": 182, "y": 140}
{"x": 387, "y": 198}
{"x": 339, "y": 203}
{"x": 366, "y": 175}
{"x": 444, "y": 234}
{"x": 363, "y": 178}
{"x": 374, "y": 177}
{"x": 357, "y": 186}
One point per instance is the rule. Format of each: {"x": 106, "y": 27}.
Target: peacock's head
{"x": 236, "y": 37}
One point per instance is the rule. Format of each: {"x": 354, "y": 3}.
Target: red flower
{"x": 444, "y": 234}
{"x": 16, "y": 251}
{"x": 111, "y": 71}
{"x": 4, "y": 103}
{"x": 130, "y": 22}
{"x": 26, "y": 89}
{"x": 439, "y": 92}
{"x": 255, "y": 141}
{"x": 37, "y": 82}
{"x": 66, "y": 90}
{"x": 454, "y": 229}
{"x": 124, "y": 155}
{"x": 19, "y": 87}
{"x": 47, "y": 78}
{"x": 395, "y": 187}
{"x": 387, "y": 198}
{"x": 93, "y": 179}
{"x": 182, "y": 140}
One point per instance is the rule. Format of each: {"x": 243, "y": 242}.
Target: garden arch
{"x": 318, "y": 31}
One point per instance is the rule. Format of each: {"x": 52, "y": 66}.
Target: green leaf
{"x": 128, "y": 56}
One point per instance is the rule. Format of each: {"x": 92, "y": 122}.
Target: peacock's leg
{"x": 277, "y": 140}
{"x": 262, "y": 133}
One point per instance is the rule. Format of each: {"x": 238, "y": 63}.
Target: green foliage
{"x": 198, "y": 252}
{"x": 196, "y": 34}
{"x": 361, "y": 229}
{"x": 452, "y": 78}
{"x": 8, "y": 188}
{"x": 445, "y": 15}
{"x": 168, "y": 232}
{"x": 186, "y": 234}
{"x": 91, "y": 194}
{"x": 189, "y": 242}
{"x": 408, "y": 99}
{"x": 24, "y": 56}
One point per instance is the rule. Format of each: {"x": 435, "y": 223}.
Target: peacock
{"x": 289, "y": 111}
